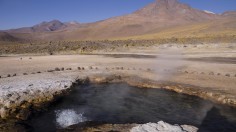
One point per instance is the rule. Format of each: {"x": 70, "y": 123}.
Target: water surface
{"x": 121, "y": 103}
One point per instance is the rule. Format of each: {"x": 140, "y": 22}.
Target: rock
{"x": 23, "y": 114}
{"x": 163, "y": 127}
{"x": 3, "y": 113}
{"x": 227, "y": 75}
{"x": 189, "y": 128}
{"x": 57, "y": 69}
{"x": 9, "y": 103}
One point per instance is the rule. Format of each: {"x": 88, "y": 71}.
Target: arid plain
{"x": 193, "y": 55}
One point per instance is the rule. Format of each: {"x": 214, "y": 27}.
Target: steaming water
{"x": 121, "y": 103}
{"x": 65, "y": 118}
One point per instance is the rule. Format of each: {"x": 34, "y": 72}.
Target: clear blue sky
{"x": 20, "y": 13}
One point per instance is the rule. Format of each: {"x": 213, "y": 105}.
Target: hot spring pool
{"x": 120, "y": 103}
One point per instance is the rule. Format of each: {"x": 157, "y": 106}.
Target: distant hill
{"x": 51, "y": 26}
{"x": 4, "y": 36}
{"x": 162, "y": 18}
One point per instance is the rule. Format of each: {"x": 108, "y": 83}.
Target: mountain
{"x": 151, "y": 19}
{"x": 229, "y": 14}
{"x": 49, "y": 26}
{"x": 164, "y": 10}
{"x": 53, "y": 25}
{"x": 4, "y": 36}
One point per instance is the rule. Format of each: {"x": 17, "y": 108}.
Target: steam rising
{"x": 68, "y": 117}
{"x": 168, "y": 62}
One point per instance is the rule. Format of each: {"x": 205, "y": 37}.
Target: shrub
{"x": 49, "y": 70}
{"x": 57, "y": 69}
{"x": 211, "y": 73}
{"x": 68, "y": 69}
{"x": 227, "y": 75}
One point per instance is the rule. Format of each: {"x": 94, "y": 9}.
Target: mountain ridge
{"x": 156, "y": 16}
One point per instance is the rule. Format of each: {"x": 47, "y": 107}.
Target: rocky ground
{"x": 28, "y": 83}
{"x": 149, "y": 127}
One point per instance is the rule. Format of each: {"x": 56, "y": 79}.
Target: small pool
{"x": 120, "y": 103}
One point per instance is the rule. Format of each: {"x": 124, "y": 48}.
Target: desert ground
{"x": 204, "y": 70}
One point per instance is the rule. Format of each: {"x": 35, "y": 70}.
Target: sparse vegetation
{"x": 50, "y": 70}
{"x": 57, "y": 69}
{"x": 211, "y": 73}
{"x": 227, "y": 75}
{"x": 68, "y": 69}
{"x": 83, "y": 47}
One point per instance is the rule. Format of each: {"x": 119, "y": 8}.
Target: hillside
{"x": 160, "y": 19}
{"x": 4, "y": 36}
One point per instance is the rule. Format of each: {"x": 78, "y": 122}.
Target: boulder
{"x": 163, "y": 127}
